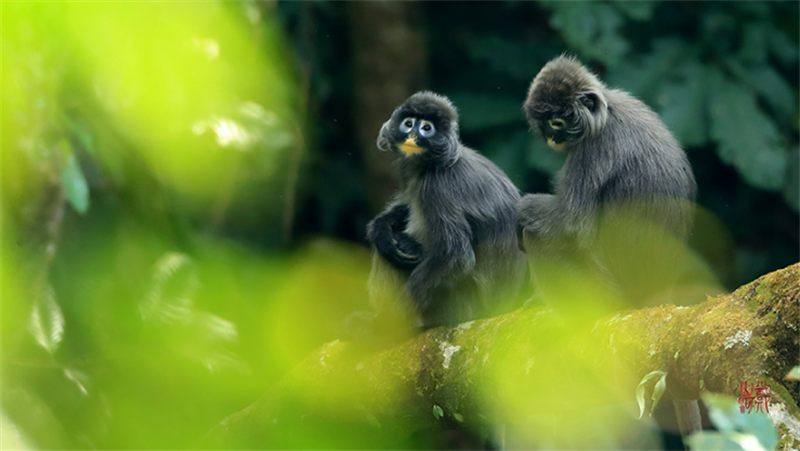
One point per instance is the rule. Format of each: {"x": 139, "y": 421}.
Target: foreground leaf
{"x": 74, "y": 183}
{"x": 47, "y": 321}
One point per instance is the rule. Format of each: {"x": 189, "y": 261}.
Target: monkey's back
{"x": 645, "y": 144}
{"x": 645, "y": 192}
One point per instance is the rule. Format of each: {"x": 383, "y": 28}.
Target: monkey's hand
{"x": 404, "y": 253}
{"x": 408, "y": 248}
{"x": 535, "y": 213}
{"x": 401, "y": 251}
{"x": 396, "y": 247}
{"x": 393, "y": 219}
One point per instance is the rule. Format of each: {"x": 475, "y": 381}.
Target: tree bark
{"x": 389, "y": 65}
{"x": 527, "y": 362}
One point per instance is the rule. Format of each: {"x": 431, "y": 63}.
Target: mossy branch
{"x": 460, "y": 375}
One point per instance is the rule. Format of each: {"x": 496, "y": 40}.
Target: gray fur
{"x": 625, "y": 179}
{"x": 461, "y": 211}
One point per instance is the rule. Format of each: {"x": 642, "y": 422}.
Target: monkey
{"x": 623, "y": 169}
{"x": 622, "y": 203}
{"x": 447, "y": 241}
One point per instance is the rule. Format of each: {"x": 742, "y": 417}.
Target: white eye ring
{"x": 407, "y": 124}
{"x": 426, "y": 129}
{"x": 557, "y": 123}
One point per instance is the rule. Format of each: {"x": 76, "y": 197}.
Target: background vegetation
{"x": 185, "y": 186}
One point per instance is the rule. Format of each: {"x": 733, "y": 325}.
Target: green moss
{"x": 785, "y": 439}
{"x": 757, "y": 298}
{"x": 786, "y": 397}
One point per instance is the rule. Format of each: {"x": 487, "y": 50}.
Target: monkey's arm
{"x": 449, "y": 257}
{"x": 535, "y": 213}
{"x": 385, "y": 232}
{"x": 551, "y": 217}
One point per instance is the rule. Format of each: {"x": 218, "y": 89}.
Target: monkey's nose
{"x": 556, "y": 124}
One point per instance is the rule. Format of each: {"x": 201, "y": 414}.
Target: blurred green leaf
{"x": 636, "y": 10}
{"x": 74, "y": 183}
{"x": 479, "y": 111}
{"x": 10, "y": 435}
{"x": 794, "y": 374}
{"x": 791, "y": 191}
{"x": 47, "y": 322}
{"x": 170, "y": 307}
{"x": 754, "y": 43}
{"x": 642, "y": 76}
{"x": 746, "y": 137}
{"x": 774, "y": 88}
{"x": 592, "y": 28}
{"x": 753, "y": 10}
{"x": 719, "y": 28}
{"x": 437, "y": 412}
{"x": 82, "y": 135}
{"x": 683, "y": 106}
{"x": 783, "y": 47}
{"x": 78, "y": 378}
{"x": 748, "y": 431}
{"x": 711, "y": 441}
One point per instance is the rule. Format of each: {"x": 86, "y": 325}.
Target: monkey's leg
{"x": 558, "y": 268}
{"x": 393, "y": 317}
{"x": 384, "y": 285}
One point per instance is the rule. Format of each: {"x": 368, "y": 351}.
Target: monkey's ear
{"x": 383, "y": 140}
{"x": 590, "y": 101}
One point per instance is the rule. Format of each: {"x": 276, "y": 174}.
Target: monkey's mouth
{"x": 410, "y": 146}
{"x": 559, "y": 146}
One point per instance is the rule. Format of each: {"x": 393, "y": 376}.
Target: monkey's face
{"x": 565, "y": 103}
{"x": 414, "y": 131}
{"x": 561, "y": 127}
{"x": 423, "y": 127}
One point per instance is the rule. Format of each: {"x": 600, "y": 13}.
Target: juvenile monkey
{"x": 622, "y": 206}
{"x": 448, "y": 239}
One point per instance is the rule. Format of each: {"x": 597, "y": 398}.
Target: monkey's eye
{"x": 426, "y": 130}
{"x": 407, "y": 124}
{"x": 556, "y": 123}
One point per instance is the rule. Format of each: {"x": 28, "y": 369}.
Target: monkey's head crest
{"x": 425, "y": 126}
{"x": 566, "y": 103}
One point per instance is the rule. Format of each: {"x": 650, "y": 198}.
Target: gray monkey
{"x": 447, "y": 242}
{"x": 622, "y": 206}
{"x": 623, "y": 200}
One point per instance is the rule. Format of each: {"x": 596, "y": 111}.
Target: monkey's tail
{"x": 689, "y": 419}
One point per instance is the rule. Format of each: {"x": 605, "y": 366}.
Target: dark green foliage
{"x": 683, "y": 103}
{"x": 738, "y": 127}
{"x": 592, "y": 29}
{"x": 723, "y": 76}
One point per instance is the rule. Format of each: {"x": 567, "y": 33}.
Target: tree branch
{"x": 512, "y": 366}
